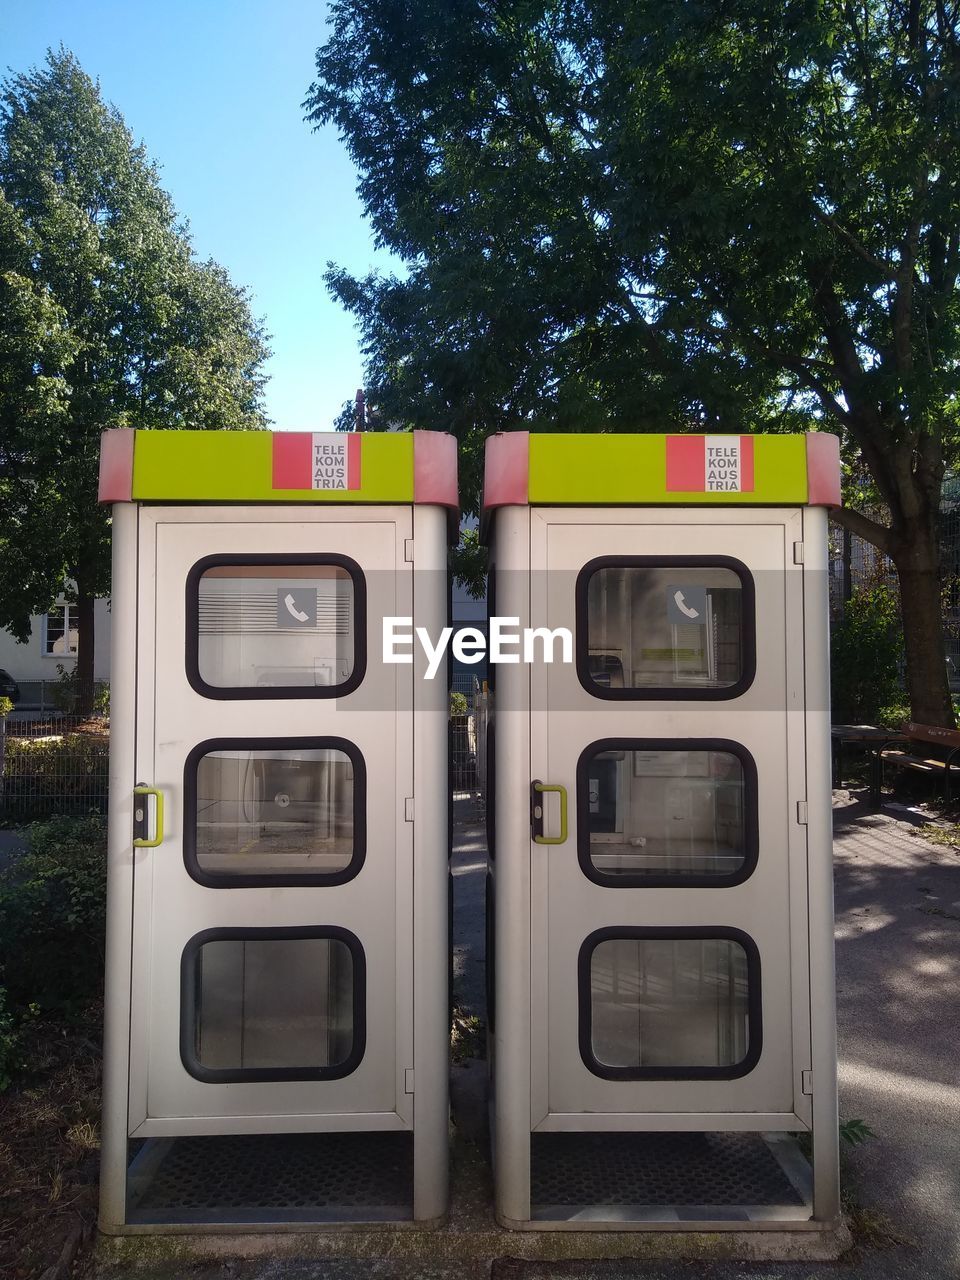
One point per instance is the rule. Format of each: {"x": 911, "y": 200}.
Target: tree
{"x": 723, "y": 216}
{"x": 108, "y": 320}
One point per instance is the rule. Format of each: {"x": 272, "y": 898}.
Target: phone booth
{"x": 277, "y": 882}
{"x": 660, "y": 875}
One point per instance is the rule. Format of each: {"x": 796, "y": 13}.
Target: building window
{"x": 60, "y": 632}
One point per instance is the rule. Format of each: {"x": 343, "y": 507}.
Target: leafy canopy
{"x": 731, "y": 215}
{"x": 107, "y": 319}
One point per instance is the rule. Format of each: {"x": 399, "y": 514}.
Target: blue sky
{"x": 213, "y": 88}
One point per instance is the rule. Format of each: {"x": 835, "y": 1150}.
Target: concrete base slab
{"x": 423, "y": 1250}
{"x": 470, "y": 1236}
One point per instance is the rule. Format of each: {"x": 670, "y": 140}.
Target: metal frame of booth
{"x": 650, "y": 1141}
{"x": 277, "y": 862}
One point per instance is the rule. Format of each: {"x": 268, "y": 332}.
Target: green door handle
{"x": 140, "y": 819}
{"x": 537, "y": 788}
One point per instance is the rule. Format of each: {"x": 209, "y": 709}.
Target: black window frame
{"x": 666, "y": 693}
{"x": 317, "y": 879}
{"x": 751, "y": 814}
{"x": 704, "y": 933}
{"x": 237, "y": 1075}
{"x": 243, "y": 692}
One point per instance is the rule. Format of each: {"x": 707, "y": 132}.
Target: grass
{"x": 946, "y": 835}
{"x": 872, "y": 1229}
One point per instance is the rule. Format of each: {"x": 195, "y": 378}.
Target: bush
{"x": 67, "y": 694}
{"x": 52, "y": 917}
{"x": 458, "y": 704}
{"x": 894, "y": 716}
{"x": 9, "y": 1044}
{"x": 866, "y": 656}
{"x": 6, "y": 706}
{"x": 60, "y": 775}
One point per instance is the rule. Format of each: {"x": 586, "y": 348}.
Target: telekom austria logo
{"x": 316, "y": 460}
{"x": 710, "y": 464}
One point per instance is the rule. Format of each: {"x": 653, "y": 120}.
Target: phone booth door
{"x": 669, "y": 966}
{"x": 270, "y": 995}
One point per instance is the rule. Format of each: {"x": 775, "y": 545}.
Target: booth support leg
{"x": 120, "y": 864}
{"x": 431, "y": 1036}
{"x": 826, "y": 1156}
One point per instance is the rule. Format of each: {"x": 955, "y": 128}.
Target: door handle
{"x": 537, "y": 788}
{"x": 141, "y": 818}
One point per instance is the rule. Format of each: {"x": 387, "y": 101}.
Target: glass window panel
{"x": 664, "y": 628}
{"x": 270, "y": 1004}
{"x": 659, "y": 814}
{"x": 61, "y": 632}
{"x": 669, "y": 1003}
{"x": 275, "y": 813}
{"x": 276, "y": 625}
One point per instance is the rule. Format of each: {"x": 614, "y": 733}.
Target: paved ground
{"x": 898, "y": 942}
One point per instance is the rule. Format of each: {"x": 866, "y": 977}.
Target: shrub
{"x": 894, "y": 716}
{"x": 58, "y": 775}
{"x": 52, "y": 917}
{"x": 67, "y": 694}
{"x": 458, "y": 704}
{"x": 6, "y": 706}
{"x": 9, "y": 1044}
{"x": 866, "y": 656}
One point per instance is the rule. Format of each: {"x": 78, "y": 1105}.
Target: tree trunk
{"x": 916, "y": 554}
{"x": 85, "y": 649}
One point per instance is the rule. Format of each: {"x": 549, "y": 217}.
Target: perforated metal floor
{"x": 702, "y": 1175}
{"x": 353, "y": 1177}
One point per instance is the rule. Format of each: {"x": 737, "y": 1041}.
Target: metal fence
{"x": 856, "y": 565}
{"x": 51, "y": 766}
{"x": 463, "y": 737}
{"x": 50, "y": 697}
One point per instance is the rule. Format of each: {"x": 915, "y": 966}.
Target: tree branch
{"x": 879, "y": 264}
{"x": 877, "y": 535}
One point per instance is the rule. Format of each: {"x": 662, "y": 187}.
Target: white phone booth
{"x": 660, "y": 905}
{"x": 277, "y": 883}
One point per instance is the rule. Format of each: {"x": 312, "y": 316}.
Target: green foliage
{"x": 855, "y": 1132}
{"x": 52, "y": 913}
{"x": 9, "y": 1043}
{"x": 866, "y": 649}
{"x": 895, "y": 714}
{"x": 458, "y": 704}
{"x": 6, "y": 706}
{"x": 106, "y": 320}
{"x": 66, "y": 774}
{"x": 728, "y": 216}
{"x": 468, "y": 562}
{"x": 615, "y": 217}
{"x": 69, "y": 690}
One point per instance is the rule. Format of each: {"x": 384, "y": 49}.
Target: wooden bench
{"x": 910, "y": 749}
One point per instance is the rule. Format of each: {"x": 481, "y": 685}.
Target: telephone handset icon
{"x": 684, "y": 608}
{"x": 292, "y": 609}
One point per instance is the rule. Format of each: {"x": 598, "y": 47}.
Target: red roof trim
{"x": 506, "y": 470}
{"x": 435, "y": 469}
{"x": 823, "y": 470}
{"x": 116, "y": 465}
